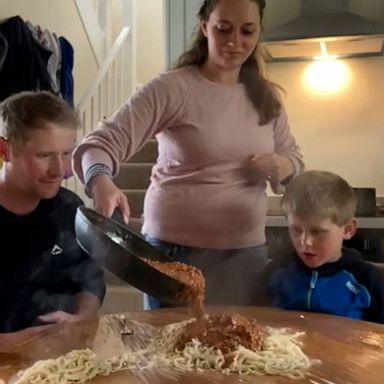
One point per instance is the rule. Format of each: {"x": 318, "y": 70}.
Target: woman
{"x": 222, "y": 134}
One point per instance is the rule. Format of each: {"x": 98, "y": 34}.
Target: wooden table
{"x": 351, "y": 351}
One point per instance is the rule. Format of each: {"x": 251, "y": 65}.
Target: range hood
{"x": 324, "y": 23}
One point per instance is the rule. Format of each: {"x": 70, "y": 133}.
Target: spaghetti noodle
{"x": 278, "y": 353}
{"x": 75, "y": 367}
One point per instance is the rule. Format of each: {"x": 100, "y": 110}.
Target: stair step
{"x": 148, "y": 154}
{"x": 135, "y": 200}
{"x": 134, "y": 176}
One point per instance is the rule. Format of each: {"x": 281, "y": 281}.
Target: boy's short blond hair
{"x": 25, "y": 111}
{"x": 320, "y": 194}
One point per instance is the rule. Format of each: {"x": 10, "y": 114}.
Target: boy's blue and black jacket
{"x": 350, "y": 287}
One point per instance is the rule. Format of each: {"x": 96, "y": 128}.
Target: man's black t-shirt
{"x": 42, "y": 266}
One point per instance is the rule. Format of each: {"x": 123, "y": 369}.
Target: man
{"x": 44, "y": 276}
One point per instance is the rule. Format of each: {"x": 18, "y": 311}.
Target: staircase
{"x": 134, "y": 177}
{"x": 113, "y": 85}
{"x": 116, "y": 78}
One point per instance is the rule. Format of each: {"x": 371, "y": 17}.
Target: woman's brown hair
{"x": 260, "y": 91}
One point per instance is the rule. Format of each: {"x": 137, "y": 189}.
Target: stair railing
{"x": 112, "y": 86}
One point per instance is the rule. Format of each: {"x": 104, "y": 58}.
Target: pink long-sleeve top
{"x": 201, "y": 193}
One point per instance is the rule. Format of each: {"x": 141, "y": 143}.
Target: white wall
{"x": 60, "y": 17}
{"x": 150, "y": 33}
{"x": 344, "y": 132}
{"x": 150, "y": 39}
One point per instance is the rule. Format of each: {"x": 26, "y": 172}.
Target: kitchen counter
{"x": 362, "y": 222}
{"x": 275, "y": 217}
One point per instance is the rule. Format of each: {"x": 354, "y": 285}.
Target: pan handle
{"x": 118, "y": 216}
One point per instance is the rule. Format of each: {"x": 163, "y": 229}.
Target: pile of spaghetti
{"x": 77, "y": 366}
{"x": 227, "y": 344}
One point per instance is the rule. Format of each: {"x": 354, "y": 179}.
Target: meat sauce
{"x": 192, "y": 279}
{"x": 224, "y": 332}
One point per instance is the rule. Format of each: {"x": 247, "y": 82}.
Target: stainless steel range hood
{"x": 344, "y": 33}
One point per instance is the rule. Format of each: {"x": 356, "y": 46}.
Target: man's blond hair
{"x": 320, "y": 194}
{"x": 25, "y": 111}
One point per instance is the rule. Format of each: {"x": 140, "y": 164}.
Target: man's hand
{"x": 60, "y": 317}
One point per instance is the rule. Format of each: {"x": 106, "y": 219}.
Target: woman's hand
{"x": 107, "y": 197}
{"x": 266, "y": 167}
{"x": 273, "y": 168}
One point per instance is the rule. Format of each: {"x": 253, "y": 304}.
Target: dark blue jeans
{"x": 232, "y": 276}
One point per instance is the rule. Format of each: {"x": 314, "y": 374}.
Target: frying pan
{"x": 118, "y": 249}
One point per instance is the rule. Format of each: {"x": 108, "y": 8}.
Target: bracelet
{"x": 95, "y": 170}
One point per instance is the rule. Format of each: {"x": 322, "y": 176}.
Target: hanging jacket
{"x": 25, "y": 66}
{"x": 50, "y": 42}
{"x": 349, "y": 287}
{"x": 66, "y": 77}
{"x": 3, "y": 50}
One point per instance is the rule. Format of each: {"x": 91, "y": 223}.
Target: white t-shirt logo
{"x": 56, "y": 250}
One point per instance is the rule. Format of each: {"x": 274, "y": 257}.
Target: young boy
{"x": 44, "y": 277}
{"x": 324, "y": 276}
